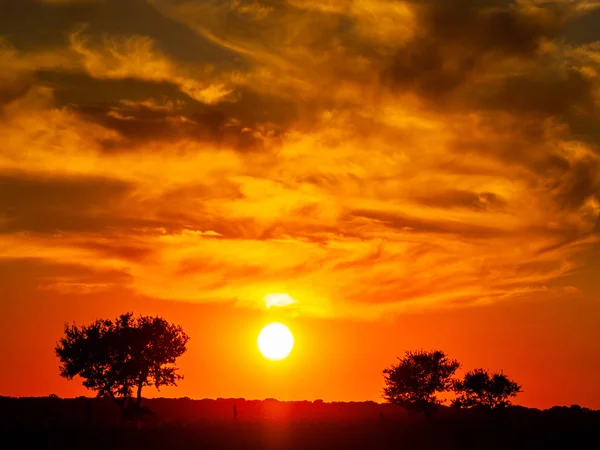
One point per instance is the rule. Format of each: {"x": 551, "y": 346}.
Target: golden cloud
{"x": 364, "y": 158}
{"x": 137, "y": 57}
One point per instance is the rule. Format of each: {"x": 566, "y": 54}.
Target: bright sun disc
{"x": 275, "y": 341}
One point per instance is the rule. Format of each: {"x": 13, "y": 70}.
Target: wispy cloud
{"x": 364, "y": 158}
{"x": 137, "y": 57}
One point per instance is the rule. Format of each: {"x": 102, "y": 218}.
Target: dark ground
{"x": 49, "y": 423}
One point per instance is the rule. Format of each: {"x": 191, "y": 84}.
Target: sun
{"x": 275, "y": 341}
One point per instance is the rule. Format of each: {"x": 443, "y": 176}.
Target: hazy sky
{"x": 415, "y": 174}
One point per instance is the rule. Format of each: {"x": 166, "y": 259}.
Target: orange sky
{"x": 414, "y": 174}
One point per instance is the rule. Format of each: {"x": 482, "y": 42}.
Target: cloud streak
{"x": 366, "y": 158}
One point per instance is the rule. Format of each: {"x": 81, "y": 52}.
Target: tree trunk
{"x": 124, "y": 405}
{"x": 139, "y": 393}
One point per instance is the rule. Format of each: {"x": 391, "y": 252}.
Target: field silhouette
{"x": 118, "y": 358}
{"x": 86, "y": 423}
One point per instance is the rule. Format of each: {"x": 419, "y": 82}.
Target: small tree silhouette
{"x": 114, "y": 358}
{"x": 417, "y": 379}
{"x": 484, "y": 389}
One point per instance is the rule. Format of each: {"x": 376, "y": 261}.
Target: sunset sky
{"x": 414, "y": 174}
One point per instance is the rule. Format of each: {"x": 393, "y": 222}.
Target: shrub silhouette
{"x": 114, "y": 358}
{"x": 480, "y": 388}
{"x": 417, "y": 379}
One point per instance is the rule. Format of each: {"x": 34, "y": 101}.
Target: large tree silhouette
{"x": 484, "y": 389}
{"x": 417, "y": 379}
{"x": 120, "y": 357}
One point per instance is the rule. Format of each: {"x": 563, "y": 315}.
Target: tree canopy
{"x": 117, "y": 357}
{"x": 488, "y": 390}
{"x": 418, "y": 378}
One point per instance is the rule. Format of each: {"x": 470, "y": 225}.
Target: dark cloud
{"x": 50, "y": 205}
{"x": 11, "y": 90}
{"x": 482, "y": 201}
{"x": 579, "y": 184}
{"x": 131, "y": 252}
{"x": 141, "y": 123}
{"x": 12, "y": 268}
{"x": 418, "y": 225}
{"x": 568, "y": 96}
{"x": 122, "y": 105}
{"x": 73, "y": 88}
{"x": 584, "y": 29}
{"x": 458, "y": 39}
{"x": 58, "y": 192}
{"x": 23, "y": 279}
{"x": 32, "y": 24}
{"x": 482, "y": 26}
{"x": 522, "y": 142}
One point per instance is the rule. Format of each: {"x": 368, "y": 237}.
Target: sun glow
{"x": 278, "y": 300}
{"x": 275, "y": 341}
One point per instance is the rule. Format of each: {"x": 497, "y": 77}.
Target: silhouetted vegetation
{"x": 118, "y": 358}
{"x": 114, "y": 358}
{"x": 43, "y": 423}
{"x": 480, "y": 388}
{"x": 418, "y": 378}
